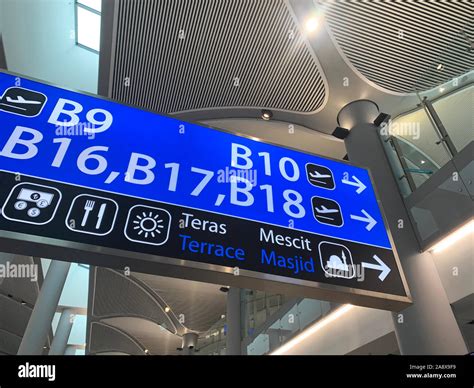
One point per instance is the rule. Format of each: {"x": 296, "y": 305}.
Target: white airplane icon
{"x": 324, "y": 210}
{"x": 317, "y": 175}
{"x": 21, "y": 100}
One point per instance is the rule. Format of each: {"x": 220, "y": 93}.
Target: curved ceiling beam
{"x": 98, "y": 340}
{"x": 180, "y": 329}
{"x": 102, "y": 306}
{"x": 150, "y": 335}
{"x": 195, "y": 305}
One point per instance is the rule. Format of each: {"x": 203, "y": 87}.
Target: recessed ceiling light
{"x": 440, "y": 67}
{"x": 146, "y": 351}
{"x": 441, "y": 89}
{"x": 266, "y": 114}
{"x": 167, "y": 309}
{"x": 312, "y": 24}
{"x": 422, "y": 162}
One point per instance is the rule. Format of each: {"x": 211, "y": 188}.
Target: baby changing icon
{"x": 336, "y": 260}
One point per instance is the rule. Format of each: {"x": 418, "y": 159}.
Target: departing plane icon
{"x": 320, "y": 176}
{"x": 324, "y": 210}
{"x": 317, "y": 176}
{"x": 327, "y": 211}
{"x": 21, "y": 100}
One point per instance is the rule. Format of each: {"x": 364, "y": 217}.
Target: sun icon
{"x": 148, "y": 225}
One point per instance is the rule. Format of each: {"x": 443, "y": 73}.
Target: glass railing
{"x": 431, "y": 149}
{"x": 257, "y": 308}
{"x": 213, "y": 342}
{"x": 287, "y": 325}
{"x": 417, "y": 148}
{"x": 456, "y": 113}
{"x": 268, "y": 321}
{"x": 411, "y": 166}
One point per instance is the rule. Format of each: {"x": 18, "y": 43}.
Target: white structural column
{"x": 42, "y": 315}
{"x": 233, "y": 319}
{"x": 61, "y": 336}
{"x": 429, "y": 325}
{"x": 189, "y": 343}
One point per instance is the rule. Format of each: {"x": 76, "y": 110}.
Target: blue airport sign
{"x": 150, "y": 183}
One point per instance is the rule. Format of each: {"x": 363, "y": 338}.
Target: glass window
{"x": 88, "y": 24}
{"x": 94, "y": 4}
{"x": 455, "y": 112}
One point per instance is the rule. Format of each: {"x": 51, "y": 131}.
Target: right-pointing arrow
{"x": 381, "y": 266}
{"x": 368, "y": 219}
{"x": 356, "y": 182}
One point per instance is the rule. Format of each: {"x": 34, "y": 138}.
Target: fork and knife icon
{"x": 88, "y": 207}
{"x": 92, "y": 214}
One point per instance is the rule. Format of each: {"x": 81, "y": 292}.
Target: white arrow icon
{"x": 381, "y": 266}
{"x": 356, "y": 182}
{"x": 368, "y": 218}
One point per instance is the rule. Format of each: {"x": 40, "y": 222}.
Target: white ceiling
{"x": 399, "y": 45}
{"x": 304, "y": 78}
{"x": 195, "y": 51}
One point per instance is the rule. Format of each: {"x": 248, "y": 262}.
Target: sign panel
{"x": 80, "y": 169}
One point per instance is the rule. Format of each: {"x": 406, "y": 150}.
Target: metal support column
{"x": 189, "y": 343}
{"x": 233, "y": 318}
{"x": 42, "y": 315}
{"x": 429, "y": 325}
{"x": 61, "y": 336}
